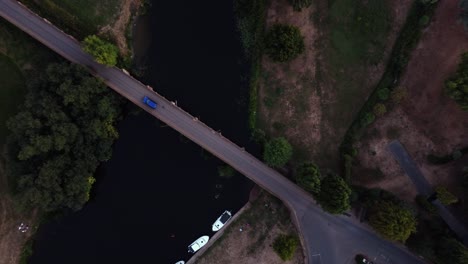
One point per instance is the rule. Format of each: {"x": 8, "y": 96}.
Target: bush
{"x": 421, "y": 200}
{"x": 379, "y": 109}
{"x": 398, "y": 94}
{"x": 424, "y": 21}
{"x": 299, "y": 4}
{"x": 456, "y": 87}
{"x": 444, "y": 196}
{"x": 285, "y": 246}
{"x": 383, "y": 94}
{"x": 102, "y": 51}
{"x": 308, "y": 177}
{"x": 284, "y": 43}
{"x": 392, "y": 221}
{"x": 277, "y": 152}
{"x": 367, "y": 119}
{"x": 334, "y": 195}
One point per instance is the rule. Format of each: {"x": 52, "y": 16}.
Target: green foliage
{"x": 284, "y": 43}
{"x": 398, "y": 94}
{"x": 299, "y": 4}
{"x": 422, "y": 201}
{"x": 379, "y": 109}
{"x": 251, "y": 25}
{"x": 424, "y": 21}
{"x": 277, "y": 152}
{"x": 104, "y": 52}
{"x": 285, "y": 246}
{"x": 226, "y": 171}
{"x": 383, "y": 94}
{"x": 26, "y": 251}
{"x": 452, "y": 251}
{"x": 65, "y": 128}
{"x": 348, "y": 165}
{"x": 456, "y": 87}
{"x": 334, "y": 194}
{"x": 392, "y": 221}
{"x": 367, "y": 119}
{"x": 444, "y": 196}
{"x": 308, "y": 177}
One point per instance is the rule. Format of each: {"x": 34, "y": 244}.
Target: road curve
{"x": 327, "y": 238}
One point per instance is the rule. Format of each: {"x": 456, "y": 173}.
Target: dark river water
{"x": 158, "y": 192}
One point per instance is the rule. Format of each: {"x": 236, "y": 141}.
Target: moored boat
{"x": 180, "y": 262}
{"x": 197, "y": 244}
{"x": 219, "y": 223}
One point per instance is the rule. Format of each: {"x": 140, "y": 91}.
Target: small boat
{"x": 180, "y": 262}
{"x": 219, "y": 223}
{"x": 199, "y": 243}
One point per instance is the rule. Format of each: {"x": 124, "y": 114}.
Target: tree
{"x": 334, "y": 194}
{"x": 285, "y": 246}
{"x": 444, "y": 196}
{"x": 277, "y": 152}
{"x": 452, "y": 251}
{"x": 284, "y": 43}
{"x": 456, "y": 87}
{"x": 299, "y": 4}
{"x": 104, "y": 52}
{"x": 308, "y": 177}
{"x": 65, "y": 128}
{"x": 383, "y": 94}
{"x": 379, "y": 109}
{"x": 392, "y": 221}
{"x": 398, "y": 94}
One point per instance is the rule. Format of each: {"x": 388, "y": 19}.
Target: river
{"x": 160, "y": 192}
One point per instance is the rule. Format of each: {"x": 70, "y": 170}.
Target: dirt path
{"x": 427, "y": 122}
{"x": 118, "y": 29}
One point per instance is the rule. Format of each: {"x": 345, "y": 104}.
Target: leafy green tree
{"x": 398, "y": 94}
{"x": 285, "y": 246}
{"x": 277, "y": 152}
{"x": 452, "y": 251}
{"x": 444, "y": 196}
{"x": 308, "y": 177}
{"x": 383, "y": 94}
{"x": 367, "y": 119}
{"x": 379, "y": 109}
{"x": 334, "y": 194}
{"x": 299, "y": 4}
{"x": 284, "y": 42}
{"x": 65, "y": 128}
{"x": 456, "y": 87}
{"x": 103, "y": 51}
{"x": 392, "y": 221}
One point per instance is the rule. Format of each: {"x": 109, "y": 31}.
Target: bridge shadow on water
{"x": 158, "y": 192}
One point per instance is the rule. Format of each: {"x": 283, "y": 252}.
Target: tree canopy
{"x": 457, "y": 85}
{"x": 284, "y": 42}
{"x": 102, "y": 51}
{"x": 277, "y": 152}
{"x": 392, "y": 221}
{"x": 444, "y": 196}
{"x": 66, "y": 126}
{"x": 285, "y": 246}
{"x": 308, "y": 177}
{"x": 452, "y": 251}
{"x": 334, "y": 194}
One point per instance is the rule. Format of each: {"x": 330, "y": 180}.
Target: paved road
{"x": 411, "y": 169}
{"x": 424, "y": 188}
{"x": 327, "y": 239}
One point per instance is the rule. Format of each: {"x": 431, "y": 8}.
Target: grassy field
{"x": 358, "y": 36}
{"x": 80, "y": 18}
{"x": 11, "y": 94}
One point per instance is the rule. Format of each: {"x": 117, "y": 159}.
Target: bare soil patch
{"x": 118, "y": 29}
{"x": 300, "y": 99}
{"x": 427, "y": 122}
{"x": 261, "y": 224}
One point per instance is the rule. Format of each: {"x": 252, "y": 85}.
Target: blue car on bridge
{"x": 149, "y": 102}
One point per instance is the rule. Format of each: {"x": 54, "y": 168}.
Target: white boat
{"x": 199, "y": 243}
{"x": 219, "y": 223}
{"x": 180, "y": 262}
